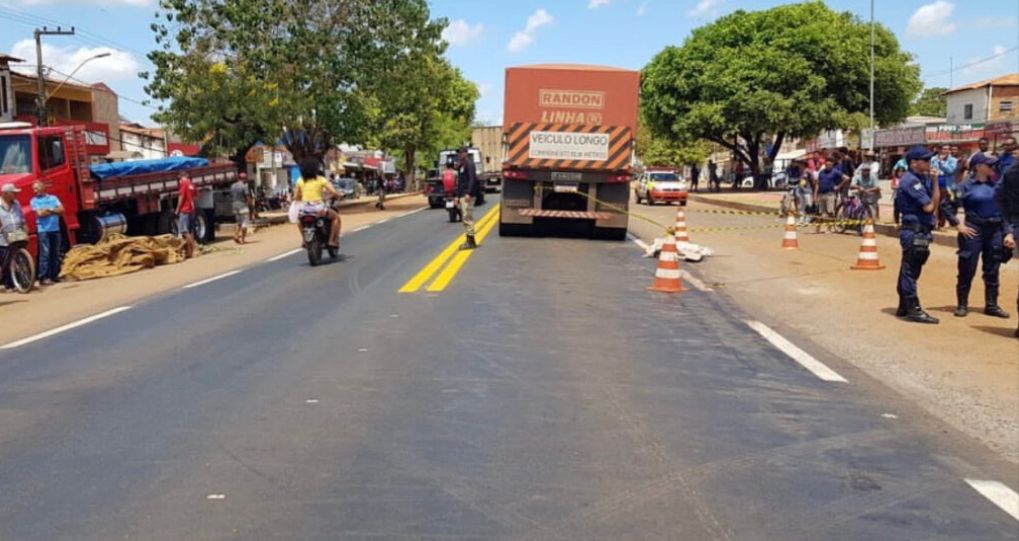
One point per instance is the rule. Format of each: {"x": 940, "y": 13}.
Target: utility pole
{"x": 871, "y": 144}
{"x": 40, "y": 99}
{"x": 951, "y": 74}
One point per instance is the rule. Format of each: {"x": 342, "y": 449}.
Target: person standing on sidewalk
{"x": 186, "y": 214}
{"x": 944, "y": 166}
{"x": 980, "y": 236}
{"x": 917, "y": 198}
{"x": 830, "y": 180}
{"x": 381, "y": 190}
{"x": 713, "y": 183}
{"x": 48, "y": 211}
{"x": 1006, "y": 194}
{"x": 467, "y": 188}
{"x": 1006, "y": 158}
{"x": 11, "y": 219}
{"x": 240, "y": 198}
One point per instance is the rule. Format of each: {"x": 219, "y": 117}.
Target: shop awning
{"x": 792, "y": 154}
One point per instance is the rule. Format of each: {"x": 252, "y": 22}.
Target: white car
{"x": 661, "y": 185}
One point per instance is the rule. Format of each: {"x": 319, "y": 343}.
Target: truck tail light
{"x": 619, "y": 178}
{"x": 509, "y": 173}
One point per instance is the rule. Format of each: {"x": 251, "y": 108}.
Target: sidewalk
{"x": 52, "y": 306}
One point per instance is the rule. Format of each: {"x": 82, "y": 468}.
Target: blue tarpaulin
{"x": 139, "y": 167}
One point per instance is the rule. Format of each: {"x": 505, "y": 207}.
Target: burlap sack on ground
{"x": 118, "y": 254}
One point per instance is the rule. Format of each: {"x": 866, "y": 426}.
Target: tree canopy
{"x": 310, "y": 73}
{"x": 660, "y": 151}
{"x": 749, "y": 79}
{"x": 930, "y": 102}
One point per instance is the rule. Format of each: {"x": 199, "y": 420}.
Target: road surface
{"x": 537, "y": 392}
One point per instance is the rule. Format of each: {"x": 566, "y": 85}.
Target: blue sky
{"x": 488, "y": 35}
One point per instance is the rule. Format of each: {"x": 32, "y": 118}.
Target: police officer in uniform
{"x": 1007, "y": 196}
{"x": 917, "y": 198}
{"x": 980, "y": 236}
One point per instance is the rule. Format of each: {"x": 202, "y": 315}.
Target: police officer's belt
{"x": 976, "y": 220}
{"x": 917, "y": 228}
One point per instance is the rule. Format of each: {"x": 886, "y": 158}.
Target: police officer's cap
{"x": 982, "y": 158}
{"x": 919, "y": 152}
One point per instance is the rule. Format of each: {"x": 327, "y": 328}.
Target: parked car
{"x": 665, "y": 185}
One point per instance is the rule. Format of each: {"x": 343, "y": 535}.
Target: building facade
{"x": 993, "y": 100}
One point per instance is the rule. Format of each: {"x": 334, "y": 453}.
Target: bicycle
{"x": 18, "y": 263}
{"x": 852, "y": 211}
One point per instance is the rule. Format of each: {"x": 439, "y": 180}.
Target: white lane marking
{"x": 694, "y": 281}
{"x": 362, "y": 228}
{"x": 805, "y": 359}
{"x": 415, "y": 211}
{"x": 311, "y": 401}
{"x": 284, "y": 255}
{"x": 889, "y": 416}
{"x": 62, "y": 328}
{"x": 380, "y": 222}
{"x": 999, "y": 494}
{"x": 362, "y": 350}
{"x": 216, "y": 497}
{"x": 213, "y": 279}
{"x": 643, "y": 245}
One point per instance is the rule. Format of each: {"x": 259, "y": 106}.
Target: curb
{"x": 888, "y": 230}
{"x": 282, "y": 219}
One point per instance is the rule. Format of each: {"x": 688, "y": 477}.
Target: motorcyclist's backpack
{"x": 449, "y": 180}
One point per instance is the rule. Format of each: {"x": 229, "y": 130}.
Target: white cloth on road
{"x": 690, "y": 251}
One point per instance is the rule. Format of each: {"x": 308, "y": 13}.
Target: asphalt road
{"x": 543, "y": 394}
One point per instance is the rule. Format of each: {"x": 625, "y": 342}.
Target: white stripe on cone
{"x": 669, "y": 274}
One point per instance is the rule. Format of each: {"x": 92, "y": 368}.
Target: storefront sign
{"x": 899, "y": 137}
{"x": 964, "y": 133}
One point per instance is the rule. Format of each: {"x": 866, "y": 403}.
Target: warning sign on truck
{"x": 547, "y": 145}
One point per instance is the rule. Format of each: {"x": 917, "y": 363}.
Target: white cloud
{"x": 705, "y": 7}
{"x": 119, "y": 66}
{"x": 642, "y": 9}
{"x": 932, "y": 20}
{"x": 595, "y": 4}
{"x": 524, "y": 38}
{"x": 484, "y": 89}
{"x": 460, "y": 32}
{"x": 519, "y": 42}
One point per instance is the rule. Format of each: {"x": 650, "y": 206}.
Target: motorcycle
{"x": 315, "y": 232}
{"x": 453, "y": 208}
{"x": 18, "y": 262}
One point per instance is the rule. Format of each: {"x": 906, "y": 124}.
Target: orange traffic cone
{"x": 667, "y": 275}
{"x": 868, "y": 258}
{"x": 681, "y": 235}
{"x": 789, "y": 240}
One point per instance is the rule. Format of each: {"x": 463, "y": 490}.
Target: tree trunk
{"x": 409, "y": 163}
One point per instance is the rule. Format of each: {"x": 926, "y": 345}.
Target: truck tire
{"x": 610, "y": 233}
{"x": 514, "y": 230}
{"x": 165, "y": 224}
{"x": 201, "y": 228}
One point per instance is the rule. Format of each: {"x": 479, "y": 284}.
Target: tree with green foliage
{"x": 657, "y": 150}
{"x": 930, "y": 102}
{"x": 750, "y": 79}
{"x": 233, "y": 72}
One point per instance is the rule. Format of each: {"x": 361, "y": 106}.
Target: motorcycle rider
{"x": 310, "y": 191}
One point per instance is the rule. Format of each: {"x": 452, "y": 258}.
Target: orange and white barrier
{"x": 868, "y": 258}
{"x": 681, "y": 233}
{"x": 789, "y": 240}
{"x": 667, "y": 275}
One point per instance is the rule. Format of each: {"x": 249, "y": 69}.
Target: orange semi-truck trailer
{"x": 569, "y": 131}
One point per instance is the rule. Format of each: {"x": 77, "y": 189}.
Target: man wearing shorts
{"x": 830, "y": 180}
{"x": 186, "y": 214}
{"x": 240, "y": 197}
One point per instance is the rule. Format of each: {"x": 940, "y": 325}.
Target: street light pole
{"x": 40, "y": 99}
{"x": 872, "y": 73}
{"x": 71, "y": 75}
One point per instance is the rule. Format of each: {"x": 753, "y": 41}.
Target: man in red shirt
{"x": 186, "y": 214}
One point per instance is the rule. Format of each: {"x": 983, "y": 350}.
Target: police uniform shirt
{"x": 913, "y": 194}
{"x": 978, "y": 199}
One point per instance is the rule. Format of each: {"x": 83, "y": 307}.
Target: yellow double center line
{"x": 451, "y": 255}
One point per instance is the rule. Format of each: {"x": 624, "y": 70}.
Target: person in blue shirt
{"x": 944, "y": 166}
{"x": 1006, "y": 158}
{"x": 980, "y": 236}
{"x": 830, "y": 179}
{"x": 1006, "y": 194}
{"x": 916, "y": 198}
{"x": 47, "y": 209}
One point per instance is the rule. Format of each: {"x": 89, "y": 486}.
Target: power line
{"x": 971, "y": 64}
{"x": 89, "y": 38}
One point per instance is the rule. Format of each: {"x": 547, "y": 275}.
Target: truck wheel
{"x": 201, "y": 228}
{"x": 513, "y": 230}
{"x": 609, "y": 233}
{"x": 166, "y": 225}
